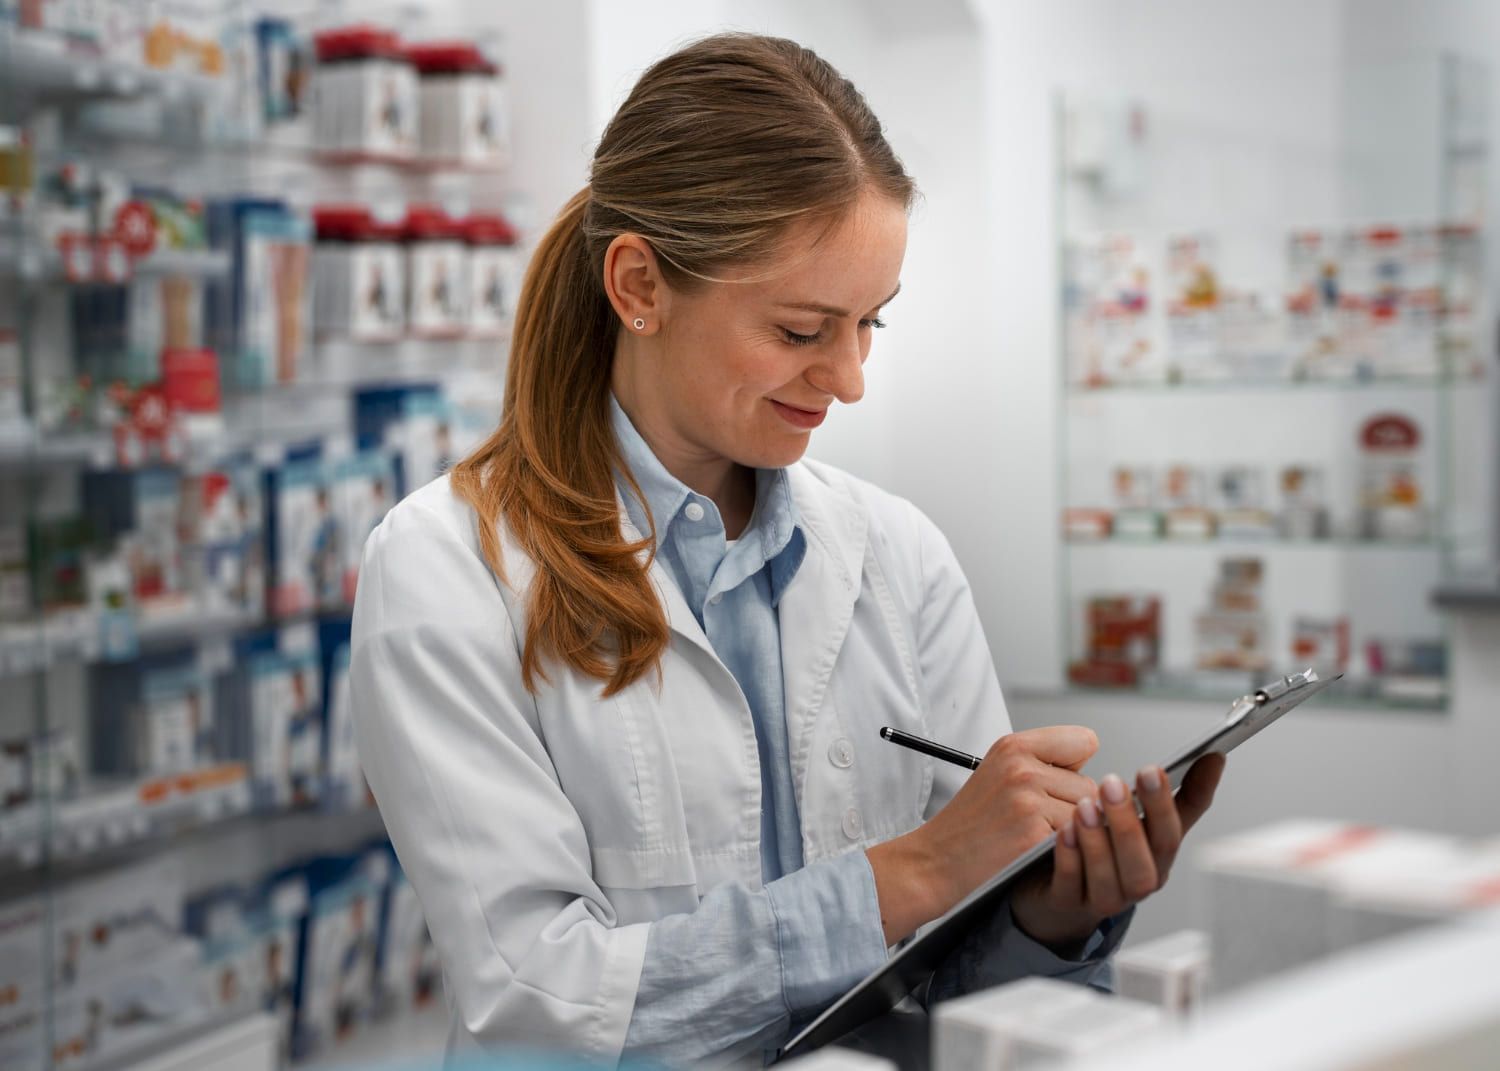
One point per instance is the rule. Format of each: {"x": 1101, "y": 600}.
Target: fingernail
{"x": 1088, "y": 812}
{"x": 1113, "y": 789}
{"x": 1149, "y": 778}
{"x": 1069, "y": 835}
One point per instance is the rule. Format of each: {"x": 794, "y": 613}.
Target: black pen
{"x": 927, "y": 747}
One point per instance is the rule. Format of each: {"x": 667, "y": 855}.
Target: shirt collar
{"x": 775, "y": 524}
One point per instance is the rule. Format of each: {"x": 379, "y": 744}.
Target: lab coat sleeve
{"x": 451, "y": 747}
{"x": 965, "y": 709}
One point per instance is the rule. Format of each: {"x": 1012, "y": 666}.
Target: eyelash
{"x": 807, "y": 340}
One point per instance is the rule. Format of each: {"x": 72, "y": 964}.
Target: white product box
{"x": 837, "y": 1059}
{"x": 364, "y": 94}
{"x": 979, "y": 1030}
{"x": 1080, "y": 1030}
{"x": 464, "y": 118}
{"x": 359, "y": 276}
{"x": 437, "y": 275}
{"x": 1373, "y": 906}
{"x": 1170, "y": 973}
{"x": 1271, "y": 889}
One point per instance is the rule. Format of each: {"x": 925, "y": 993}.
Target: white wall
{"x": 961, "y": 409}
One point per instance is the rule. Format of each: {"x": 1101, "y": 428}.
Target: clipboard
{"x": 883, "y": 989}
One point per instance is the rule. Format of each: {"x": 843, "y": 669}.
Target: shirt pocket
{"x": 618, "y": 780}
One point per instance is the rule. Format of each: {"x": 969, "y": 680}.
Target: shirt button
{"x": 841, "y": 754}
{"x": 853, "y": 826}
{"x": 716, "y": 598}
{"x": 694, "y": 511}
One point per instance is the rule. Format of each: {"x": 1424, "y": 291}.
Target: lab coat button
{"x": 716, "y": 598}
{"x": 853, "y": 826}
{"x": 694, "y": 511}
{"x": 841, "y": 754}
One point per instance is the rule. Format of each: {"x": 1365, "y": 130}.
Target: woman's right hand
{"x": 1027, "y": 786}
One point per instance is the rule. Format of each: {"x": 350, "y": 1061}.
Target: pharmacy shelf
{"x": 33, "y": 261}
{"x": 1340, "y": 544}
{"x": 1475, "y": 594}
{"x": 80, "y": 635}
{"x": 1430, "y": 380}
{"x": 41, "y": 68}
{"x": 245, "y": 1043}
{"x": 1416, "y": 694}
{"x": 42, "y": 843}
{"x": 407, "y": 1041}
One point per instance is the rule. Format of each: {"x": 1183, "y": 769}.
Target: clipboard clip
{"x": 1269, "y": 693}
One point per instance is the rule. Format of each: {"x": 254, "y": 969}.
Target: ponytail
{"x": 548, "y": 472}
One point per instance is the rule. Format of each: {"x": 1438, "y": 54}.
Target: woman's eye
{"x": 873, "y": 321}
{"x": 800, "y": 340}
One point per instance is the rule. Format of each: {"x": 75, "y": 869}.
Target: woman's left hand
{"x": 1108, "y": 858}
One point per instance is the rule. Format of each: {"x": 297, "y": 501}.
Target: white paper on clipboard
{"x": 883, "y": 989}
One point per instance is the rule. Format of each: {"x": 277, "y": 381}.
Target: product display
{"x": 1232, "y": 634}
{"x": 1107, "y": 302}
{"x": 260, "y": 319}
{"x": 359, "y": 275}
{"x": 219, "y": 223}
{"x": 364, "y": 94}
{"x": 463, "y": 111}
{"x": 1170, "y": 973}
{"x": 1391, "y": 498}
{"x": 437, "y": 274}
{"x": 1124, "y": 642}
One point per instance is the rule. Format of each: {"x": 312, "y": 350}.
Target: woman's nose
{"x": 840, "y": 370}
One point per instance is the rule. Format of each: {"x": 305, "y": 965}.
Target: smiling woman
{"x": 618, "y": 679}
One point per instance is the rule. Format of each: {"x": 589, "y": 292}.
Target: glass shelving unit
{"x": 1275, "y": 375}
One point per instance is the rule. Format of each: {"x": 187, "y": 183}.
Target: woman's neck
{"x": 728, "y": 485}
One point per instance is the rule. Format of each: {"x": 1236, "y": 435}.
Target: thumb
{"x": 1197, "y": 792}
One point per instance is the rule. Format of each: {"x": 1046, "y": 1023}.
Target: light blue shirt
{"x": 754, "y": 963}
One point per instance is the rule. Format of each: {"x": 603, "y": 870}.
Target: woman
{"x": 619, "y": 676}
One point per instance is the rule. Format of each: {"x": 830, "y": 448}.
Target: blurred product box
{"x": 411, "y": 974}
{"x": 1100, "y": 1025}
{"x": 980, "y": 1029}
{"x": 1107, "y": 307}
{"x": 1170, "y": 973}
{"x": 359, "y": 275}
{"x": 1374, "y": 906}
{"x": 463, "y": 115}
{"x": 259, "y": 317}
{"x": 1271, "y": 890}
{"x": 834, "y": 1058}
{"x": 1124, "y": 642}
{"x": 496, "y": 267}
{"x": 437, "y": 274}
{"x": 364, "y": 94}
{"x": 341, "y": 941}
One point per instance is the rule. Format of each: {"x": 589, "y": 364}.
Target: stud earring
{"x": 639, "y": 324}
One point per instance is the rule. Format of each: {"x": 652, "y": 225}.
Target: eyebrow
{"x": 830, "y": 310}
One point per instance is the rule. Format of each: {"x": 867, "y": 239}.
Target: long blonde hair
{"x": 720, "y": 148}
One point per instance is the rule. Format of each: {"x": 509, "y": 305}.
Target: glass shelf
{"x": 1434, "y": 380}
{"x": 76, "y": 635}
{"x": 1248, "y": 543}
{"x": 35, "y": 262}
{"x": 46, "y": 68}
{"x": 1415, "y": 694}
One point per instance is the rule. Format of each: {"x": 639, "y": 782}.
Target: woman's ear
{"x": 633, "y": 281}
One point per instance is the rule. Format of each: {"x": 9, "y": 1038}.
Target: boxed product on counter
{"x": 978, "y": 1029}
{"x": 1170, "y": 972}
{"x": 1271, "y": 889}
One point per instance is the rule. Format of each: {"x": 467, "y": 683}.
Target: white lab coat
{"x": 544, "y": 833}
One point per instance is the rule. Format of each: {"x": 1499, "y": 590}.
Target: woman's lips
{"x": 805, "y": 419}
